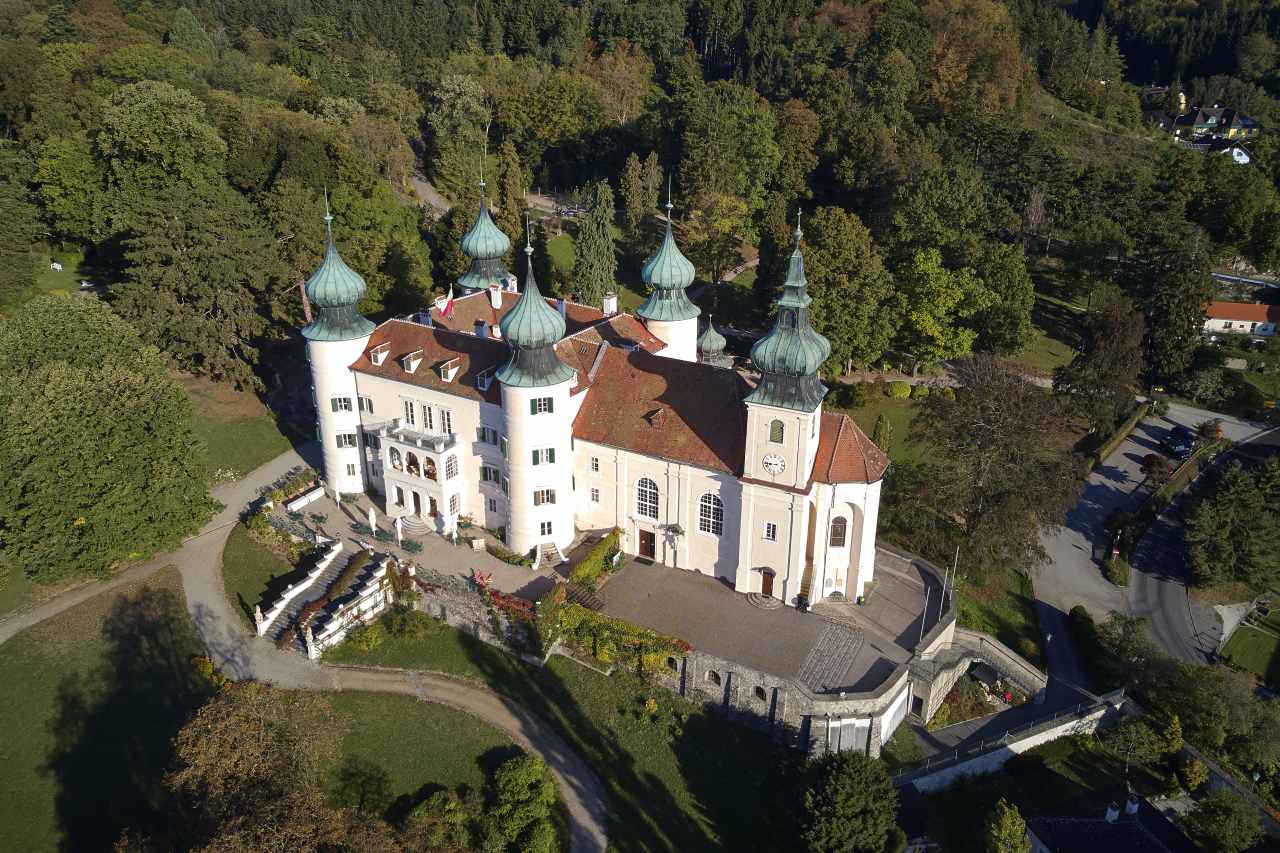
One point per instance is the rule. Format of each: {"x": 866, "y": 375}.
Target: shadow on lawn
{"x": 114, "y": 725}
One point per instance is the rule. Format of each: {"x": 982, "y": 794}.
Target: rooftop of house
{"x": 1248, "y": 312}
{"x": 1147, "y": 831}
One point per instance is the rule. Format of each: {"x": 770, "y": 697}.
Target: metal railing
{"x": 938, "y": 762}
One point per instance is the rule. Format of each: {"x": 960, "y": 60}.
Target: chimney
{"x": 560, "y": 305}
{"x": 1131, "y": 804}
{"x": 610, "y": 304}
{"x": 482, "y": 329}
{"x": 495, "y": 296}
{"x": 511, "y": 284}
{"x": 1113, "y": 812}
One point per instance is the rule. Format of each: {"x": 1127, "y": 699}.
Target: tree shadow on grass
{"x": 114, "y": 726}
{"x": 643, "y": 814}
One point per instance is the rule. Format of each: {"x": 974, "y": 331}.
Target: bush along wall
{"x": 598, "y": 561}
{"x": 611, "y": 640}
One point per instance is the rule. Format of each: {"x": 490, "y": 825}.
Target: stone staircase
{"x": 286, "y": 620}
{"x": 416, "y": 527}
{"x": 549, "y": 555}
{"x": 585, "y": 597}
{"x": 829, "y": 657}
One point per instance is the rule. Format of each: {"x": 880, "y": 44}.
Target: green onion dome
{"x": 485, "y": 239}
{"x": 334, "y": 290}
{"x": 791, "y": 354}
{"x": 711, "y": 342}
{"x": 533, "y": 328}
{"x": 667, "y": 273}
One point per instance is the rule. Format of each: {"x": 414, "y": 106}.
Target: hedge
{"x": 1108, "y": 447}
{"x": 596, "y": 562}
{"x": 609, "y": 639}
{"x": 508, "y": 556}
{"x": 897, "y": 389}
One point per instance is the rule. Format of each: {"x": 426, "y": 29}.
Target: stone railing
{"x": 291, "y": 592}
{"x": 369, "y": 597}
{"x": 307, "y": 497}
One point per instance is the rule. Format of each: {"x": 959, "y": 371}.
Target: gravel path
{"x": 241, "y": 655}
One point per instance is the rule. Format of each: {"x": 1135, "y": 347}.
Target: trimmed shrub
{"x": 1029, "y": 648}
{"x": 598, "y": 560}
{"x": 848, "y": 395}
{"x": 508, "y": 556}
{"x": 367, "y": 637}
{"x": 1160, "y": 407}
{"x": 897, "y": 390}
{"x": 413, "y": 546}
{"x": 919, "y": 391}
{"x": 1118, "y": 571}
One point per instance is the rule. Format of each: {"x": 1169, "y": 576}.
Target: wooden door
{"x": 417, "y": 504}
{"x": 435, "y": 509}
{"x": 648, "y": 544}
{"x": 766, "y": 584}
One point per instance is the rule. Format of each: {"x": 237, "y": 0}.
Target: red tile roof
{"x": 845, "y": 454}
{"x": 476, "y": 306}
{"x": 438, "y": 346}
{"x": 1243, "y": 311}
{"x": 683, "y": 411}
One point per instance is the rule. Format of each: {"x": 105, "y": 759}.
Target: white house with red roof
{"x": 1241, "y": 318}
{"x": 545, "y": 419}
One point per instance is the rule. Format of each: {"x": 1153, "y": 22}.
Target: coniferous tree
{"x": 1100, "y": 379}
{"x": 17, "y": 267}
{"x": 1006, "y": 831}
{"x": 1233, "y": 532}
{"x": 849, "y": 805}
{"x": 635, "y": 206}
{"x": 882, "y": 433}
{"x": 511, "y": 199}
{"x": 594, "y": 262}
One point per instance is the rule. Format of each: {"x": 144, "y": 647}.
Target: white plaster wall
{"x": 331, "y": 376}
{"x": 762, "y": 505}
{"x": 680, "y": 489}
{"x": 680, "y": 336}
{"x": 1239, "y": 327}
{"x": 525, "y": 432}
{"x": 798, "y": 448}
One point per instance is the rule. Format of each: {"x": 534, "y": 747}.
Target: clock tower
{"x": 785, "y": 409}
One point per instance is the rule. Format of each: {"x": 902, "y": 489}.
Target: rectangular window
{"x": 410, "y": 412}
{"x": 373, "y": 441}
{"x": 544, "y": 496}
{"x": 595, "y": 496}
{"x": 340, "y": 404}
{"x": 450, "y": 467}
{"x": 428, "y": 418}
{"x": 502, "y": 446}
{"x": 545, "y": 528}
{"x": 351, "y": 469}
{"x": 486, "y": 435}
{"x": 595, "y": 465}
{"x": 346, "y": 439}
{"x": 446, "y": 422}
{"x": 366, "y": 405}
{"x": 493, "y": 505}
{"x": 455, "y": 504}
{"x": 506, "y": 486}
{"x": 399, "y": 496}
{"x": 544, "y": 456}
{"x": 489, "y": 474}
{"x": 541, "y": 406}
{"x": 770, "y": 532}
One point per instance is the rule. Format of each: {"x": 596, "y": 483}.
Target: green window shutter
{"x": 551, "y": 404}
{"x": 533, "y": 407}
{"x": 535, "y": 457}
{"x": 551, "y": 455}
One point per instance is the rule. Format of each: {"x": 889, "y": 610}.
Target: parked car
{"x": 1180, "y": 442}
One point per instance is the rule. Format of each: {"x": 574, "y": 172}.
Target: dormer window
{"x": 411, "y": 361}
{"x": 449, "y": 369}
{"x": 378, "y": 354}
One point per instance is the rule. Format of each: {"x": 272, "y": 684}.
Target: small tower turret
{"x": 711, "y": 346}
{"x": 668, "y": 313}
{"x": 486, "y": 246}
{"x": 539, "y": 423}
{"x": 784, "y": 409}
{"x": 336, "y": 337}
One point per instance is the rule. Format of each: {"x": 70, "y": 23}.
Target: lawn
{"x": 902, "y": 750}
{"x": 1256, "y": 650}
{"x": 252, "y": 574}
{"x": 1003, "y": 605}
{"x": 899, "y": 413}
{"x": 1268, "y": 383}
{"x": 16, "y": 589}
{"x": 677, "y": 777}
{"x": 1074, "y": 769}
{"x": 398, "y": 748}
{"x": 65, "y": 281}
{"x": 630, "y": 288}
{"x": 240, "y": 432}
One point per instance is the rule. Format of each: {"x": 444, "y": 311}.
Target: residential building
{"x": 1241, "y": 318}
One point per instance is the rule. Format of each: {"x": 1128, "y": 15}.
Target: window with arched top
{"x": 411, "y": 464}
{"x": 431, "y": 468}
{"x": 713, "y": 677}
{"x": 761, "y": 695}
{"x": 396, "y": 462}
{"x": 647, "y": 498}
{"x": 839, "y": 528}
{"x": 777, "y": 432}
{"x": 710, "y": 514}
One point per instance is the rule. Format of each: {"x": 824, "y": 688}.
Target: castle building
{"x": 544, "y": 418}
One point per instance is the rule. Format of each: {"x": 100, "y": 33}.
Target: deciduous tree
{"x": 1006, "y": 831}
{"x": 1224, "y": 821}
{"x": 938, "y": 301}
{"x": 1100, "y": 379}
{"x": 849, "y": 805}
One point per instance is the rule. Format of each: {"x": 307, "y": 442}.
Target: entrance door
{"x": 417, "y": 504}
{"x": 648, "y": 544}
{"x": 766, "y": 584}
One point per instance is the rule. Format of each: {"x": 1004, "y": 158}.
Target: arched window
{"x": 713, "y": 677}
{"x": 431, "y": 468}
{"x": 647, "y": 498}
{"x": 710, "y": 514}
{"x": 411, "y": 464}
{"x": 396, "y": 462}
{"x": 761, "y": 695}
{"x": 839, "y": 526}
{"x": 776, "y": 432}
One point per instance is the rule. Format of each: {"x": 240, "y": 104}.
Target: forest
{"x": 934, "y": 148}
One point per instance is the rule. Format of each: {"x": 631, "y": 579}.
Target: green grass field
{"x": 560, "y": 248}
{"x": 250, "y": 572}
{"x": 1267, "y": 383}
{"x": 16, "y": 590}
{"x": 66, "y": 281}
{"x": 1256, "y": 650}
{"x": 239, "y": 431}
{"x": 677, "y": 779}
{"x": 1002, "y": 605}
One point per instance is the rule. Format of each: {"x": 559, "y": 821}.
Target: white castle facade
{"x": 543, "y": 419}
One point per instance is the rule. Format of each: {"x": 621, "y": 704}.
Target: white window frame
{"x": 450, "y": 467}
{"x": 455, "y": 504}
{"x": 711, "y": 514}
{"x": 346, "y": 439}
{"x": 770, "y": 531}
{"x": 351, "y": 469}
{"x": 544, "y": 456}
{"x": 411, "y": 412}
{"x": 542, "y": 406}
{"x": 544, "y": 528}
{"x": 428, "y": 419}
{"x": 595, "y": 464}
{"x": 446, "y": 421}
{"x": 647, "y": 498}
{"x": 542, "y": 497}
{"x": 493, "y": 504}
{"x": 782, "y": 431}
{"x": 595, "y": 495}
{"x": 340, "y": 404}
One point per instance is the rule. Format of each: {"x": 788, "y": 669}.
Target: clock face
{"x": 774, "y": 464}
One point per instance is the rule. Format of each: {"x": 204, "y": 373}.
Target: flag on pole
{"x": 447, "y": 310}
